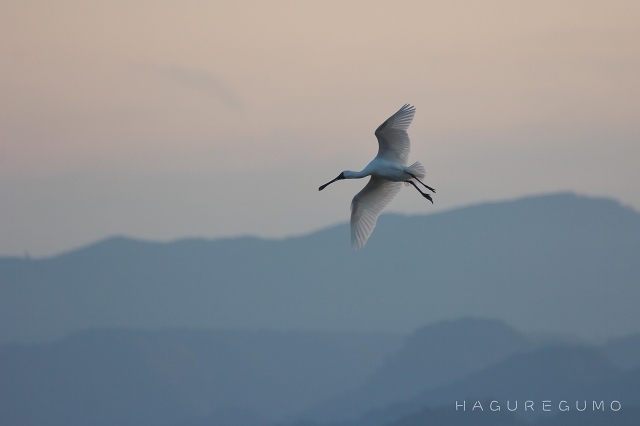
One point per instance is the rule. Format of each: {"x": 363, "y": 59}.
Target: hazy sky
{"x": 162, "y": 120}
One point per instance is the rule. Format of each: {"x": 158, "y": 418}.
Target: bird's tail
{"x": 418, "y": 170}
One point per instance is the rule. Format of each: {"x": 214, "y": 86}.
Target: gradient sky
{"x": 162, "y": 120}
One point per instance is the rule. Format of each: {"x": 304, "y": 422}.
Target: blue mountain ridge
{"x": 235, "y": 377}
{"x": 557, "y": 263}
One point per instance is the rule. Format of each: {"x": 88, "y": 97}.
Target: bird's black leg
{"x": 424, "y": 194}
{"x": 426, "y": 186}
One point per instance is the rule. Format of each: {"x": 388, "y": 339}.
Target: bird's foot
{"x": 428, "y": 197}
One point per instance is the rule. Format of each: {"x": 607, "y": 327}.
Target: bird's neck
{"x": 349, "y": 174}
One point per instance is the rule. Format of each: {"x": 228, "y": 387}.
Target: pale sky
{"x": 162, "y": 120}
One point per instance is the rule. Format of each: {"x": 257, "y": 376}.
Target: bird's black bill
{"x": 328, "y": 183}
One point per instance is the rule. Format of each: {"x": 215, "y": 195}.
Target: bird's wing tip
{"x": 408, "y": 107}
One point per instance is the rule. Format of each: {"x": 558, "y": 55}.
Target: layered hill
{"x": 116, "y": 376}
{"x": 233, "y": 377}
{"x": 469, "y": 360}
{"x": 558, "y": 263}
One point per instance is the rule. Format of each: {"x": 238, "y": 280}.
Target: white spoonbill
{"x": 387, "y": 171}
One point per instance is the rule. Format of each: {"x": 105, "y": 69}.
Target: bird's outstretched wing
{"x": 393, "y": 140}
{"x": 367, "y": 206}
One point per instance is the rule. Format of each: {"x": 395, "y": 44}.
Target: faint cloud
{"x": 199, "y": 80}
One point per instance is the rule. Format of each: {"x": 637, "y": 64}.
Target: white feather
{"x": 367, "y": 206}
{"x": 393, "y": 139}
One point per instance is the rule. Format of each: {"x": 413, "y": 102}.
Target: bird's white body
{"x": 387, "y": 170}
{"x": 383, "y": 169}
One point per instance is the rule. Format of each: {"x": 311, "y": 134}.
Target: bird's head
{"x": 340, "y": 177}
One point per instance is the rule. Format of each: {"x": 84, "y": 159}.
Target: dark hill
{"x": 432, "y": 356}
{"x": 553, "y": 373}
{"x": 558, "y": 263}
{"x": 129, "y": 377}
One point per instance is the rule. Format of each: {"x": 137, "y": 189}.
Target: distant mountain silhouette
{"x": 544, "y": 372}
{"x": 550, "y": 373}
{"x": 115, "y": 377}
{"x": 558, "y": 263}
{"x": 182, "y": 377}
{"x": 432, "y": 356}
{"x": 574, "y": 374}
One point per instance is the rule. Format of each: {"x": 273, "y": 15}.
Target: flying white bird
{"x": 387, "y": 171}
